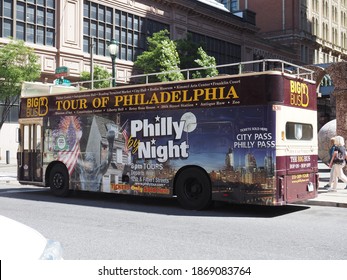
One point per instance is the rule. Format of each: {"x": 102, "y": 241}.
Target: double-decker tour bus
{"x": 248, "y": 137}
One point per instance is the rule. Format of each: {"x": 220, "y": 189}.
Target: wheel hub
{"x": 193, "y": 189}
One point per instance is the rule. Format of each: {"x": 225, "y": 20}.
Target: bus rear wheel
{"x": 59, "y": 180}
{"x": 193, "y": 189}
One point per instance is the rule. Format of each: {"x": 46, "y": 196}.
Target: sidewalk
{"x": 325, "y": 198}
{"x": 8, "y": 172}
{"x": 8, "y": 175}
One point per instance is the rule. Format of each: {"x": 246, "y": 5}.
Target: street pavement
{"x": 8, "y": 176}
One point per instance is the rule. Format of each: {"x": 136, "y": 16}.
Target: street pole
{"x": 113, "y": 58}
{"x": 113, "y": 50}
{"x": 92, "y": 62}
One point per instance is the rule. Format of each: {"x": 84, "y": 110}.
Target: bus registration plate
{"x": 310, "y": 187}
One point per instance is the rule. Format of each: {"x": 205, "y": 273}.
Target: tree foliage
{"x": 209, "y": 62}
{"x": 188, "y": 52}
{"x": 101, "y": 77}
{"x": 18, "y": 63}
{"x": 163, "y": 54}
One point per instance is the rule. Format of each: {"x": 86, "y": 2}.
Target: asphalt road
{"x": 104, "y": 226}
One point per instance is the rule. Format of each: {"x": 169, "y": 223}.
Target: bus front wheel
{"x": 193, "y": 189}
{"x": 59, "y": 180}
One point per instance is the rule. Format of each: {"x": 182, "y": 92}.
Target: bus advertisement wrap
{"x": 141, "y": 156}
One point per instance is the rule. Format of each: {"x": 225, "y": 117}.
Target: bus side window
{"x": 299, "y": 131}
{"x": 38, "y": 138}
{"x": 26, "y": 138}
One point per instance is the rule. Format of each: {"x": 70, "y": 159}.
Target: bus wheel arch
{"x": 193, "y": 188}
{"x": 57, "y": 179}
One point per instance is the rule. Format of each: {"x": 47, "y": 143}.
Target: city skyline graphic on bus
{"x": 236, "y": 147}
{"x": 231, "y": 135}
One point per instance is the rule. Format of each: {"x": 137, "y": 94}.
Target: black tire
{"x": 193, "y": 189}
{"x": 59, "y": 180}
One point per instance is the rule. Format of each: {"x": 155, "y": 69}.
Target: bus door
{"x": 30, "y": 151}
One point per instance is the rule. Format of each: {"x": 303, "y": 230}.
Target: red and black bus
{"x": 247, "y": 138}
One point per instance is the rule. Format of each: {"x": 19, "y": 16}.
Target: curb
{"x": 322, "y": 203}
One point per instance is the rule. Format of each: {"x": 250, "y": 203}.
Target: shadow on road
{"x": 163, "y": 206}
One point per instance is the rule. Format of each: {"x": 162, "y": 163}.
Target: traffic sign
{"x": 62, "y": 71}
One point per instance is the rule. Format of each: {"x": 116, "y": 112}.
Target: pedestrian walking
{"x": 337, "y": 162}
{"x": 331, "y": 152}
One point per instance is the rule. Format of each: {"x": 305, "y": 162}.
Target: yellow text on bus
{"x": 37, "y": 107}
{"x": 177, "y": 96}
{"x": 299, "y": 95}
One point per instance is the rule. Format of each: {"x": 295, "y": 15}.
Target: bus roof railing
{"x": 237, "y": 68}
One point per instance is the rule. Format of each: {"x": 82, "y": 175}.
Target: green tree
{"x": 192, "y": 55}
{"x": 205, "y": 61}
{"x": 187, "y": 51}
{"x": 101, "y": 77}
{"x": 161, "y": 56}
{"x": 18, "y": 63}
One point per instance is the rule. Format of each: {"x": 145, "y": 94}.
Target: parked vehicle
{"x": 21, "y": 242}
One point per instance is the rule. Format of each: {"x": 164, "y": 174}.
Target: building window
{"x": 231, "y": 5}
{"x": 20, "y": 12}
{"x": 30, "y": 33}
{"x": 343, "y": 40}
{"x": 7, "y": 28}
{"x": 40, "y": 33}
{"x": 34, "y": 21}
{"x": 30, "y": 15}
{"x": 334, "y": 13}
{"x": 304, "y": 53}
{"x": 335, "y": 36}
{"x": 315, "y": 26}
{"x": 325, "y": 31}
{"x": 314, "y": 5}
{"x": 343, "y": 19}
{"x": 304, "y": 23}
{"x": 223, "y": 52}
{"x": 6, "y": 16}
{"x": 325, "y": 8}
{"x": 8, "y": 9}
{"x": 20, "y": 31}
{"x": 102, "y": 23}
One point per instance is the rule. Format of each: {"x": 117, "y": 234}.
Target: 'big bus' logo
{"x": 37, "y": 107}
{"x": 299, "y": 95}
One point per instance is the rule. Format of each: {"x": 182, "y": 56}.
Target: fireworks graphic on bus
{"x": 67, "y": 141}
